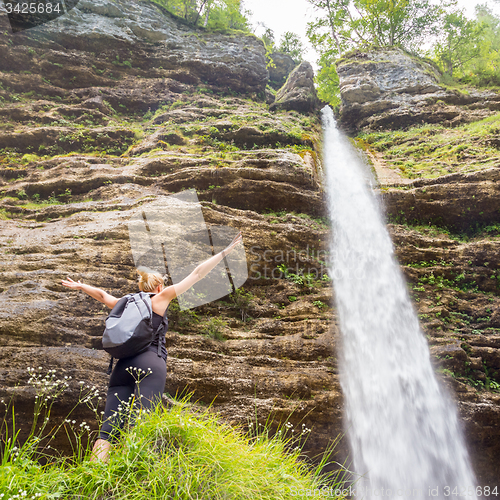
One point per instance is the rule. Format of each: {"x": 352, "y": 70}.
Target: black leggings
{"x": 126, "y": 381}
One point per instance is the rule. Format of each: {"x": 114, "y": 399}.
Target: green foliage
{"x": 327, "y": 80}
{"x": 301, "y": 278}
{"x": 432, "y": 263}
{"x": 213, "y": 14}
{"x": 117, "y": 62}
{"x": 291, "y": 44}
{"x": 217, "y": 144}
{"x": 243, "y": 301}
{"x": 319, "y": 303}
{"x": 465, "y": 49}
{"x": 347, "y": 24}
{"x": 181, "y": 318}
{"x": 268, "y": 39}
{"x": 270, "y": 46}
{"x": 214, "y": 328}
{"x": 484, "y": 70}
{"x": 28, "y": 158}
{"x": 459, "y": 282}
{"x": 226, "y": 14}
{"x": 470, "y": 376}
{"x": 460, "y": 42}
{"x": 36, "y": 446}
{"x": 431, "y": 150}
{"x": 478, "y": 55}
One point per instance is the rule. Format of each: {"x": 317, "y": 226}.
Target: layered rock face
{"x": 388, "y": 89}
{"x": 445, "y": 229}
{"x": 103, "y": 111}
{"x": 142, "y": 40}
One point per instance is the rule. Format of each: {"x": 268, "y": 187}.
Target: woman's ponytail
{"x": 148, "y": 279}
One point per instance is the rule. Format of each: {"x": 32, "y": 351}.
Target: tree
{"x": 485, "y": 68}
{"x": 269, "y": 44}
{"x": 383, "y": 23}
{"x": 330, "y": 34}
{"x": 460, "y": 43}
{"x": 291, "y": 44}
{"x": 469, "y": 50}
{"x": 330, "y": 30}
{"x": 268, "y": 39}
{"x": 227, "y": 14}
{"x": 327, "y": 80}
{"x": 403, "y": 23}
{"x": 214, "y": 14}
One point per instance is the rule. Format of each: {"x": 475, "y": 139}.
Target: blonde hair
{"x": 148, "y": 279}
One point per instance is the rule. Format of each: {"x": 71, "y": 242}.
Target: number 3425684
{"x": 33, "y": 8}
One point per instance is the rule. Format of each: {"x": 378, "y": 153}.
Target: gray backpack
{"x": 129, "y": 327}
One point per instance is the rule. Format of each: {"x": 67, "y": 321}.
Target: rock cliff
{"x": 102, "y": 111}
{"x": 389, "y": 89}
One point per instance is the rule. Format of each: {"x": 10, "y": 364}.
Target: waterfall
{"x": 402, "y": 426}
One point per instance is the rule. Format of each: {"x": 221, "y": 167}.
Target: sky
{"x": 293, "y": 15}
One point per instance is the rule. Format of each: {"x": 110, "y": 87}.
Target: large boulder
{"x": 298, "y": 93}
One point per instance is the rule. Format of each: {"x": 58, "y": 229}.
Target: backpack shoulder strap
{"x": 164, "y": 322}
{"x": 110, "y": 366}
{"x": 146, "y": 300}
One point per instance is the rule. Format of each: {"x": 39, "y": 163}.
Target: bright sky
{"x": 281, "y": 16}
{"x": 293, "y": 15}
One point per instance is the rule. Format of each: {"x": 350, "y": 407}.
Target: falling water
{"x": 403, "y": 428}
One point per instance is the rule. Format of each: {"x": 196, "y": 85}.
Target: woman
{"x": 145, "y": 371}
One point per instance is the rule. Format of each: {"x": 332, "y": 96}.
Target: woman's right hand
{"x": 76, "y": 285}
{"x": 233, "y": 243}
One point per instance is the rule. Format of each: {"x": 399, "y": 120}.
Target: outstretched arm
{"x": 94, "y": 292}
{"x": 199, "y": 272}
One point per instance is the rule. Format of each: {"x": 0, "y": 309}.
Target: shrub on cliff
{"x": 216, "y": 15}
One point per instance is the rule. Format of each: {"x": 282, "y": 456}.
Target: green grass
{"x": 430, "y": 151}
{"x": 476, "y": 232}
{"x": 318, "y": 223}
{"x": 4, "y": 215}
{"x": 177, "y": 453}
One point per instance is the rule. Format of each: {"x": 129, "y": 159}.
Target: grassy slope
{"x": 171, "y": 454}
{"x": 430, "y": 151}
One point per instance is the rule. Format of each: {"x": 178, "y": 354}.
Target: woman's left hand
{"x": 76, "y": 285}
